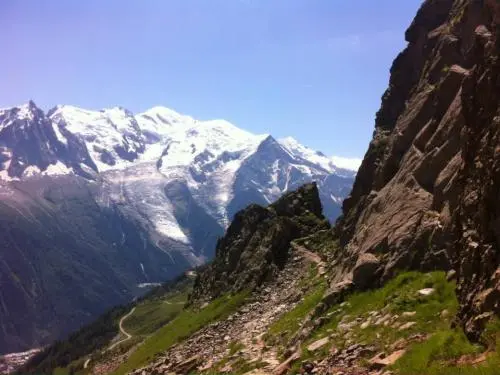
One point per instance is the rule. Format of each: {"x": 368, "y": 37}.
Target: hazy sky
{"x": 311, "y": 69}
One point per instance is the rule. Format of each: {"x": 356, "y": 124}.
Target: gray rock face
{"x": 365, "y": 270}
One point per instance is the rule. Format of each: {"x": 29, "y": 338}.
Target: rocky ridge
{"x": 257, "y": 243}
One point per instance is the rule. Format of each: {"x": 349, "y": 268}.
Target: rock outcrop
{"x": 257, "y": 243}
{"x": 426, "y": 195}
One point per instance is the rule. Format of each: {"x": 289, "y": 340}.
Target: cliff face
{"x": 426, "y": 195}
{"x": 257, "y": 243}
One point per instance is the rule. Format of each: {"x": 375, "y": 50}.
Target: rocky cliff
{"x": 426, "y": 195}
{"x": 257, "y": 243}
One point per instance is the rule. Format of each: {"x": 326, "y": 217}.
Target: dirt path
{"x": 312, "y": 257}
{"x": 128, "y": 335}
{"x": 86, "y": 364}
{"x": 247, "y": 326}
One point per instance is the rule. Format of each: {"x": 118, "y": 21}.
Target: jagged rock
{"x": 451, "y": 275}
{"x": 307, "y": 367}
{"x": 257, "y": 242}
{"x": 426, "y": 291}
{"x": 318, "y": 344}
{"x": 381, "y": 361}
{"x": 365, "y": 270}
{"x": 407, "y": 314}
{"x": 407, "y": 326}
{"x": 365, "y": 324}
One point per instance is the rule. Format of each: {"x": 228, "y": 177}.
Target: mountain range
{"x": 97, "y": 205}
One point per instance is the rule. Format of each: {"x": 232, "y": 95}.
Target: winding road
{"x": 128, "y": 335}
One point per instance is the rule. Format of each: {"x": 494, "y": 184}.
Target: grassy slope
{"x": 437, "y": 355}
{"x": 152, "y": 313}
{"x": 149, "y": 316}
{"x": 185, "y": 324}
{"x": 284, "y": 328}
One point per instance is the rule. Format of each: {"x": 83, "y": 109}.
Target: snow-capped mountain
{"x": 221, "y": 167}
{"x": 95, "y": 203}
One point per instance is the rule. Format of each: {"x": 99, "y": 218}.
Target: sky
{"x": 311, "y": 69}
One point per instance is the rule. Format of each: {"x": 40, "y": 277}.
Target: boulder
{"x": 365, "y": 270}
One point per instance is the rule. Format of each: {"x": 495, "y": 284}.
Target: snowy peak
{"x": 221, "y": 167}
{"x": 307, "y": 154}
{"x": 350, "y": 164}
{"x": 334, "y": 164}
{"x": 29, "y": 144}
{"x": 112, "y": 136}
{"x": 21, "y": 115}
{"x": 166, "y": 116}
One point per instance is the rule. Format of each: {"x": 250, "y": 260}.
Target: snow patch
{"x": 60, "y": 137}
{"x": 30, "y": 171}
{"x": 57, "y": 169}
{"x": 351, "y": 164}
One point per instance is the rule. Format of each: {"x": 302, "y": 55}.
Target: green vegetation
{"x": 287, "y": 325}
{"x": 81, "y": 343}
{"x": 235, "y": 347}
{"x": 238, "y": 367}
{"x": 443, "y": 346}
{"x": 398, "y": 296}
{"x": 441, "y": 353}
{"x": 322, "y": 242}
{"x": 185, "y": 324}
{"x": 343, "y": 322}
{"x": 149, "y": 316}
{"x": 69, "y": 355}
{"x": 444, "y": 352}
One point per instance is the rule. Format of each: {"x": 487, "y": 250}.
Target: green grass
{"x": 235, "y": 346}
{"x": 288, "y": 324}
{"x": 397, "y": 296}
{"x": 438, "y": 355}
{"x": 429, "y": 356}
{"x": 185, "y": 324}
{"x": 322, "y": 242}
{"x": 151, "y": 315}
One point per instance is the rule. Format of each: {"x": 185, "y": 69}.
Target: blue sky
{"x": 311, "y": 69}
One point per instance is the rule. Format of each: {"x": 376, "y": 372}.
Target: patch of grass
{"x": 288, "y": 324}
{"x": 322, "y": 242}
{"x": 430, "y": 356}
{"x": 239, "y": 366}
{"x": 234, "y": 347}
{"x": 185, "y": 324}
{"x": 150, "y": 315}
{"x": 398, "y": 296}
{"x": 438, "y": 355}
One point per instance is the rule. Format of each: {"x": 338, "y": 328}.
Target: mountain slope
{"x": 65, "y": 260}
